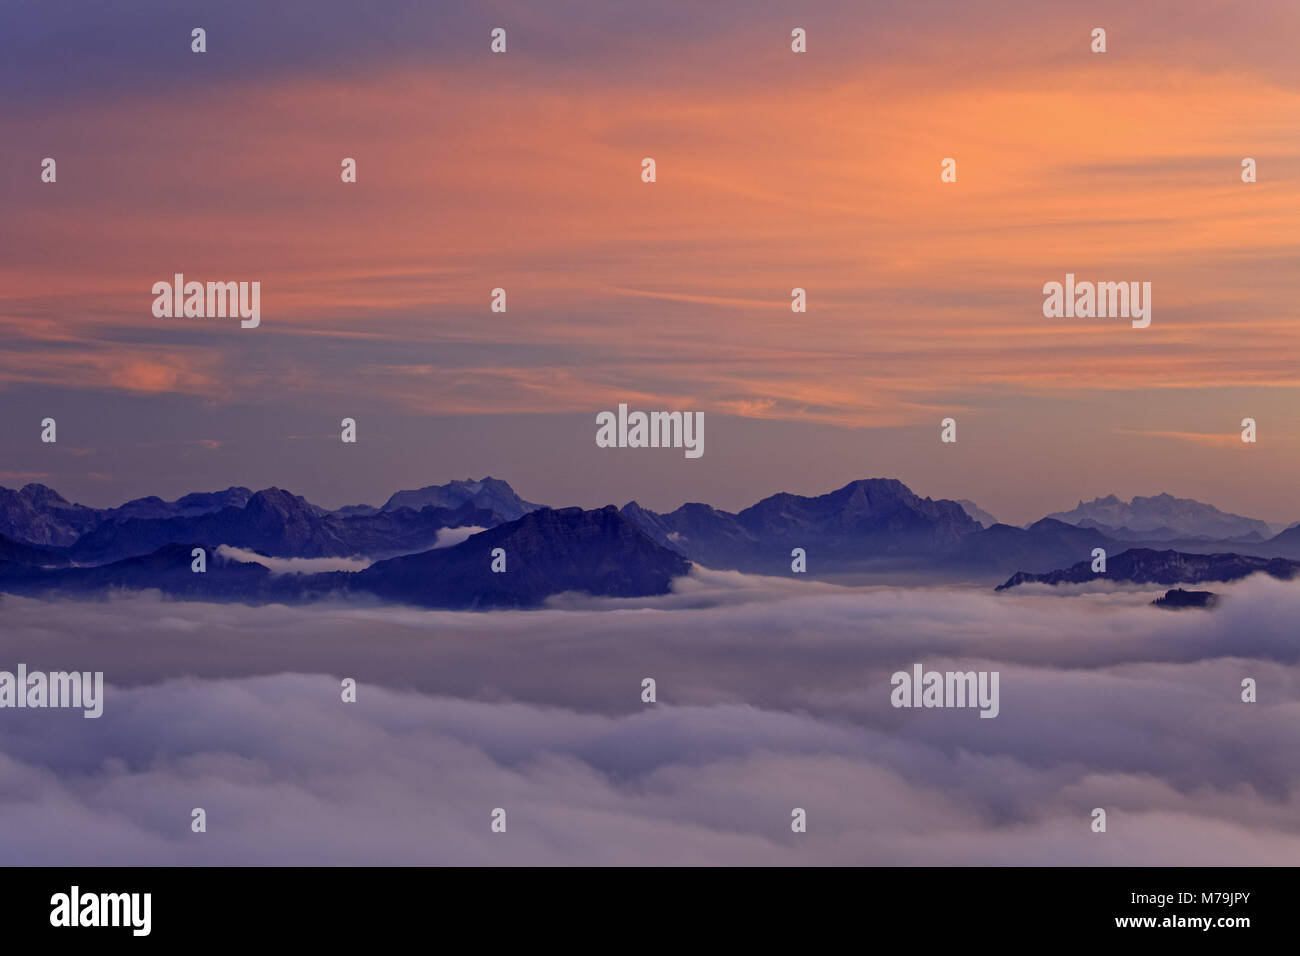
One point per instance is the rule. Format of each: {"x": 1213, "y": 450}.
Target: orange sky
{"x": 774, "y": 171}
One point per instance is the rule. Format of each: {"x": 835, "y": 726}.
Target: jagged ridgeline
{"x": 478, "y": 544}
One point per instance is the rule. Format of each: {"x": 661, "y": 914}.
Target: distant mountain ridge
{"x": 35, "y": 514}
{"x": 1146, "y": 566}
{"x": 978, "y": 513}
{"x": 279, "y": 524}
{"x": 40, "y": 515}
{"x": 272, "y": 521}
{"x": 1044, "y": 545}
{"x": 868, "y": 527}
{"x": 490, "y": 494}
{"x": 868, "y": 519}
{"x": 1165, "y": 516}
{"x": 545, "y": 553}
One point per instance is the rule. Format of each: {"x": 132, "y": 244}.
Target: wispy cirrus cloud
{"x": 1198, "y": 438}
{"x": 522, "y": 172}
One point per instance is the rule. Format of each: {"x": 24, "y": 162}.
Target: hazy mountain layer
{"x": 1168, "y": 517}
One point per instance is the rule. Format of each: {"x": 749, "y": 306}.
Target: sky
{"x": 775, "y": 170}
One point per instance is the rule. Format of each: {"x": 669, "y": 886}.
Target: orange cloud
{"x": 679, "y": 291}
{"x": 1199, "y": 438}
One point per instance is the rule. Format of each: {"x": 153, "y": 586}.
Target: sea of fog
{"x": 771, "y": 695}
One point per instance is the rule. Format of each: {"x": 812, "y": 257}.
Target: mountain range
{"x": 1162, "y": 517}
{"x": 278, "y": 524}
{"x": 870, "y": 526}
{"x": 867, "y": 522}
{"x": 1145, "y": 566}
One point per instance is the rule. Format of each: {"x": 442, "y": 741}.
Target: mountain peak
{"x": 37, "y": 493}
{"x": 39, "y": 515}
{"x": 550, "y": 550}
{"x": 491, "y": 494}
{"x": 978, "y": 513}
{"x": 858, "y": 523}
{"x": 1164, "y": 513}
{"x": 277, "y": 497}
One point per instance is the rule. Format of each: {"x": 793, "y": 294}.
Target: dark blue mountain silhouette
{"x": 1145, "y": 566}
{"x": 279, "y": 524}
{"x": 488, "y": 494}
{"x": 198, "y": 503}
{"x": 21, "y": 553}
{"x": 1178, "y": 598}
{"x": 871, "y": 525}
{"x": 166, "y": 570}
{"x": 547, "y": 552}
{"x": 864, "y": 522}
{"x": 39, "y": 515}
{"x": 1044, "y": 545}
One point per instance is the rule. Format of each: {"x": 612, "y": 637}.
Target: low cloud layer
{"x": 447, "y": 537}
{"x": 771, "y": 695}
{"x": 453, "y": 536}
{"x": 293, "y": 565}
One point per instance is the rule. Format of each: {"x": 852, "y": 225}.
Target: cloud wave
{"x": 777, "y": 701}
